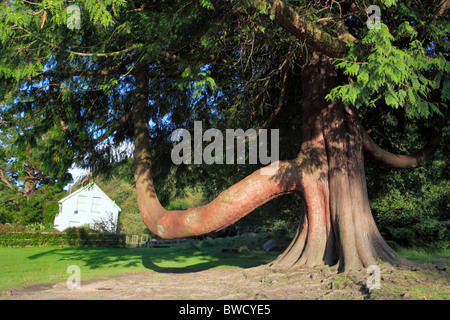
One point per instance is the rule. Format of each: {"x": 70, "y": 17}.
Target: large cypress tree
{"x": 137, "y": 70}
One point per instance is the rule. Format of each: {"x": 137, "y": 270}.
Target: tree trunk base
{"x": 337, "y": 227}
{"x": 321, "y": 240}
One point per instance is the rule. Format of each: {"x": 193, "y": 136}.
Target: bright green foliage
{"x": 40, "y": 23}
{"x": 415, "y": 218}
{"x": 41, "y": 207}
{"x": 402, "y": 64}
{"x": 207, "y": 4}
{"x": 69, "y": 92}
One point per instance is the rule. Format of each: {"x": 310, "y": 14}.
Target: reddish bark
{"x": 374, "y": 152}
{"x": 231, "y": 205}
{"x": 337, "y": 225}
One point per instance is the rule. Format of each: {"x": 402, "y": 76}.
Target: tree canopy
{"x": 222, "y": 60}
{"x": 70, "y": 94}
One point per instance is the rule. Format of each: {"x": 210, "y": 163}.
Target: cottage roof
{"x": 89, "y": 186}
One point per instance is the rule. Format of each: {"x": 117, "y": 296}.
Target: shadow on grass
{"x": 156, "y": 259}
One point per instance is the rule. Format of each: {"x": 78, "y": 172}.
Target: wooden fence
{"x": 145, "y": 241}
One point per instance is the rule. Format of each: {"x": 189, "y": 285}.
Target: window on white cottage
{"x": 96, "y": 205}
{"x": 82, "y": 204}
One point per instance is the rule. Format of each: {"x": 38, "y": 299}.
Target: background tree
{"x": 29, "y": 189}
{"x": 137, "y": 70}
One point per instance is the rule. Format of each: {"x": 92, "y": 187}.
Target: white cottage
{"x": 87, "y": 206}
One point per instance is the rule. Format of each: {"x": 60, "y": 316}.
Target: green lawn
{"x": 441, "y": 258}
{"x": 21, "y": 267}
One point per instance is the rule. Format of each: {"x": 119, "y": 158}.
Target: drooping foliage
{"x": 405, "y": 59}
{"x": 69, "y": 92}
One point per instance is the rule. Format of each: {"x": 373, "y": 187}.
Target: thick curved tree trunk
{"x": 229, "y": 206}
{"x": 337, "y": 224}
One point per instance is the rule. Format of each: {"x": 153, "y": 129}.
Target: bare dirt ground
{"x": 260, "y": 283}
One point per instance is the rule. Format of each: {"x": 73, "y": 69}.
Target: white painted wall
{"x": 87, "y": 206}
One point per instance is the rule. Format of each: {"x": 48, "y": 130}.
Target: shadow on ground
{"x": 192, "y": 275}
{"x": 156, "y": 259}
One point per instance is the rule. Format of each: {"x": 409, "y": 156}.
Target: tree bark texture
{"x": 337, "y": 226}
{"x": 229, "y": 206}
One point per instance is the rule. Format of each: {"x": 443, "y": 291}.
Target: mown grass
{"x": 21, "y": 267}
{"x": 426, "y": 256}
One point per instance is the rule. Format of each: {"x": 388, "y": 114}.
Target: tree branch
{"x": 282, "y": 101}
{"x": 384, "y": 157}
{"x": 5, "y": 180}
{"x": 86, "y": 73}
{"x": 113, "y": 128}
{"x": 108, "y": 133}
{"x": 229, "y": 206}
{"x": 303, "y": 29}
{"x": 442, "y": 9}
{"x": 101, "y": 54}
